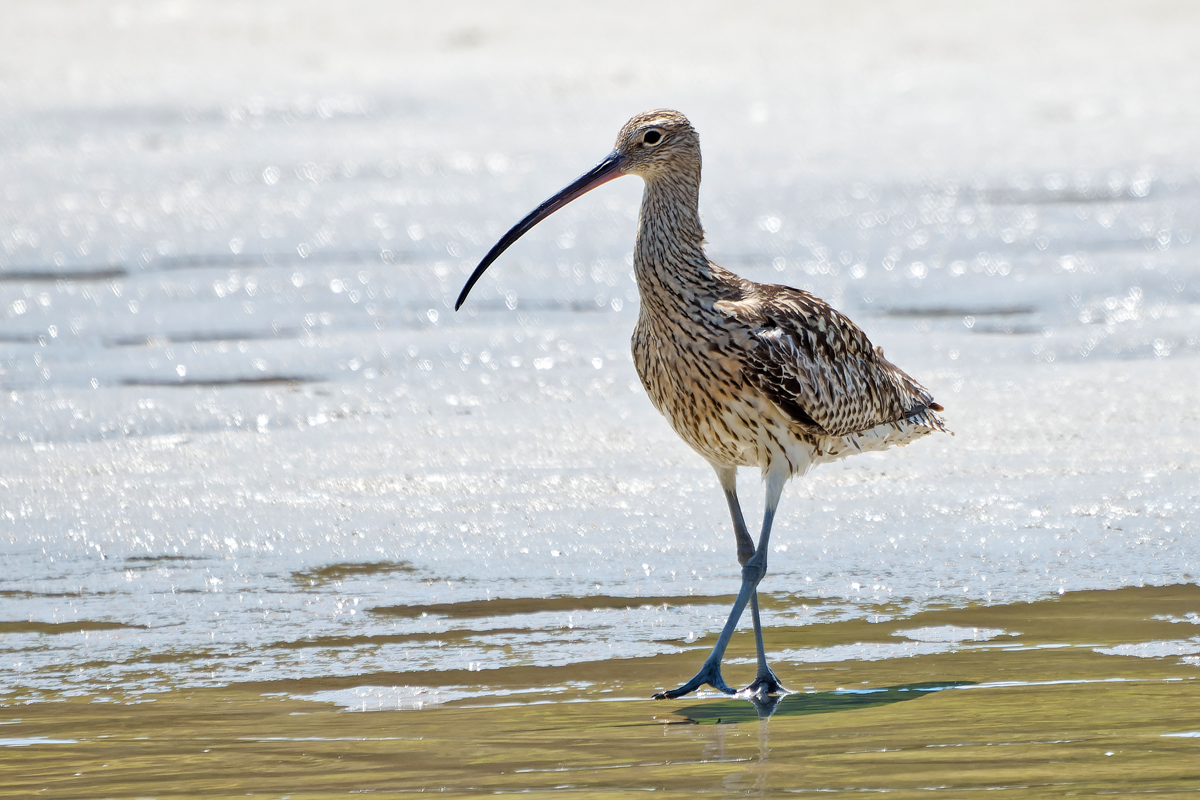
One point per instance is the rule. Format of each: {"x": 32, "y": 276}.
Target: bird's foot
{"x": 709, "y": 674}
{"x": 765, "y": 683}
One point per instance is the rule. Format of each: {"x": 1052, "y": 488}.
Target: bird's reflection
{"x": 717, "y": 724}
{"x": 763, "y": 707}
{"x": 766, "y": 705}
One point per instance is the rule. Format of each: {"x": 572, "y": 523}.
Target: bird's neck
{"x": 668, "y": 259}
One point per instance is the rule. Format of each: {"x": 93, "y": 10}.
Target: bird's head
{"x": 652, "y": 144}
{"x": 657, "y": 142}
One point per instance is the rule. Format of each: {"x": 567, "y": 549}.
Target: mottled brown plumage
{"x": 748, "y": 374}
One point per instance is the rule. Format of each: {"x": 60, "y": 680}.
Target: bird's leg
{"x": 745, "y": 545}
{"x": 765, "y": 681}
{"x": 710, "y": 673}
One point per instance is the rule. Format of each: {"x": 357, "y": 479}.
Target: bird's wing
{"x": 818, "y": 366}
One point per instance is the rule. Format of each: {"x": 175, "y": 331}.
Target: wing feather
{"x": 819, "y": 367}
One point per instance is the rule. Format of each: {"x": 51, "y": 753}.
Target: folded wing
{"x": 819, "y": 367}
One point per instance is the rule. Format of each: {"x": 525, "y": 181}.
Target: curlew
{"x": 748, "y": 374}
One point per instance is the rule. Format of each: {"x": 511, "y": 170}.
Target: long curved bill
{"x": 605, "y": 171}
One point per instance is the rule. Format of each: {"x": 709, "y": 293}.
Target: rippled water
{"x": 246, "y": 438}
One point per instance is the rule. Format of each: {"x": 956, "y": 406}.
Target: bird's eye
{"x": 651, "y": 137}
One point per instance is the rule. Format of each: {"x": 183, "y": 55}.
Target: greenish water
{"x": 1086, "y": 694}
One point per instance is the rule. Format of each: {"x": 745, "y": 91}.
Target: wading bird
{"x": 748, "y": 374}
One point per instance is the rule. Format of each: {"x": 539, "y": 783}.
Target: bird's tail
{"x": 927, "y": 415}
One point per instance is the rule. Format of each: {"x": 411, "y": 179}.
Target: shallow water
{"x": 1030, "y": 700}
{"x": 250, "y": 457}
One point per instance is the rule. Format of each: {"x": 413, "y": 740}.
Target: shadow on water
{"x": 798, "y": 704}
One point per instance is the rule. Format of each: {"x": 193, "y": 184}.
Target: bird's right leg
{"x": 765, "y": 682}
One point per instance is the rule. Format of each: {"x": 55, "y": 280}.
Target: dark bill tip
{"x": 602, "y": 173}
